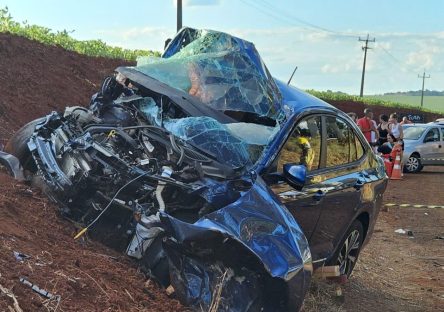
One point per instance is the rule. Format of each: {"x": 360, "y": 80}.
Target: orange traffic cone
{"x": 388, "y": 165}
{"x": 396, "y": 172}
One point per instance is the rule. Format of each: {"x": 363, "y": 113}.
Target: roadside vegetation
{"x": 63, "y": 39}
{"x": 395, "y": 102}
{"x": 432, "y": 102}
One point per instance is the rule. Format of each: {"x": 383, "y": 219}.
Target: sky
{"x": 319, "y": 37}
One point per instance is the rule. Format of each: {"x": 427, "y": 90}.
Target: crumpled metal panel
{"x": 261, "y": 224}
{"x": 223, "y": 71}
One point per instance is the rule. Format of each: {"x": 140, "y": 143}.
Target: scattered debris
{"x": 410, "y": 234}
{"x": 11, "y": 295}
{"x": 169, "y": 290}
{"x": 39, "y": 290}
{"x": 326, "y": 271}
{"x": 21, "y": 256}
{"x": 439, "y": 237}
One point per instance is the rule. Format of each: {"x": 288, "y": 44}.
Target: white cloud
{"x": 420, "y": 59}
{"x": 152, "y": 38}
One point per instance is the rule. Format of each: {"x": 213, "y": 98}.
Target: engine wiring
{"x": 83, "y": 231}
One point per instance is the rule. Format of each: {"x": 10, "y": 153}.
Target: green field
{"x": 434, "y": 103}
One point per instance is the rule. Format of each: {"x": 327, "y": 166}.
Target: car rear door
{"x": 345, "y": 179}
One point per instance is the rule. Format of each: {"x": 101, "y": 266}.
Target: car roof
{"x": 297, "y": 100}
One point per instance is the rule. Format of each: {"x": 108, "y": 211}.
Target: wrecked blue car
{"x": 224, "y": 183}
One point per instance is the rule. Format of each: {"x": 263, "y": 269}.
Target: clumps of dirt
{"x": 36, "y": 79}
{"x": 86, "y": 275}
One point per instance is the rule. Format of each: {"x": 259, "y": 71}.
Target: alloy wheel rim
{"x": 412, "y": 164}
{"x": 349, "y": 253}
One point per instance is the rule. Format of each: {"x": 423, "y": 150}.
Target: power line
{"x": 269, "y": 10}
{"x": 365, "y": 48}
{"x": 404, "y": 66}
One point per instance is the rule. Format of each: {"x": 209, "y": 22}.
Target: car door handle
{"x": 358, "y": 185}
{"x": 320, "y": 194}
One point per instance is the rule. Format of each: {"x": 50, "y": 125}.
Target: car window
{"x": 343, "y": 146}
{"x": 359, "y": 152}
{"x": 413, "y": 132}
{"x": 442, "y": 134}
{"x": 432, "y": 135}
{"x": 304, "y": 145}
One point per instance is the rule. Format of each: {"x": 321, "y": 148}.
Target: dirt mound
{"x": 86, "y": 275}
{"x": 36, "y": 79}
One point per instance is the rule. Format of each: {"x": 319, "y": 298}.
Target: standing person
{"x": 353, "y": 116}
{"x": 366, "y": 125}
{"x": 374, "y": 134}
{"x": 383, "y": 129}
{"x": 405, "y": 121}
{"x": 396, "y": 128}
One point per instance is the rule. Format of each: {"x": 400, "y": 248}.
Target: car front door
{"x": 336, "y": 179}
{"x": 432, "y": 148}
{"x": 303, "y": 146}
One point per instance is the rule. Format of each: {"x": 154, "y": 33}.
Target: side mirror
{"x": 295, "y": 175}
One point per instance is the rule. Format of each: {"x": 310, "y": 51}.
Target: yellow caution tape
{"x": 413, "y": 205}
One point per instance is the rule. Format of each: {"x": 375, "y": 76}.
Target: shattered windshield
{"x": 238, "y": 144}
{"x": 222, "y": 71}
{"x": 227, "y": 74}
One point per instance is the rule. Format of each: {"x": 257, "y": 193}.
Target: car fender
{"x": 260, "y": 223}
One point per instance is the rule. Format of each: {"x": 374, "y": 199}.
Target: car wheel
{"x": 413, "y": 164}
{"x": 348, "y": 252}
{"x": 18, "y": 145}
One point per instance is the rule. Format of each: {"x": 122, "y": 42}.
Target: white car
{"x": 423, "y": 146}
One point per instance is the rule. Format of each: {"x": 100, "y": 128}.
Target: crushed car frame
{"x": 200, "y": 165}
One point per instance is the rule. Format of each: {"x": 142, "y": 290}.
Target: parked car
{"x": 423, "y": 146}
{"x": 211, "y": 173}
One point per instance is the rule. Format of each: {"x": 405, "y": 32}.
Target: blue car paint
{"x": 274, "y": 236}
{"x": 262, "y": 224}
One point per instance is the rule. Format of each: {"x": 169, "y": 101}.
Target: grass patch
{"x": 370, "y": 100}
{"x": 432, "y": 102}
{"x": 63, "y": 39}
{"x": 322, "y": 298}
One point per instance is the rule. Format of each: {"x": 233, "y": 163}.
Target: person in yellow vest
{"x": 307, "y": 154}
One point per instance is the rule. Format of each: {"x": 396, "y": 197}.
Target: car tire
{"x": 18, "y": 145}
{"x": 347, "y": 254}
{"x": 413, "y": 164}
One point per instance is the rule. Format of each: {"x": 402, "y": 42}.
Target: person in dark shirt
{"x": 383, "y": 129}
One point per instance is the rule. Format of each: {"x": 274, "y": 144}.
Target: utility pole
{"x": 179, "y": 14}
{"x": 365, "y": 48}
{"x": 422, "y": 91}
